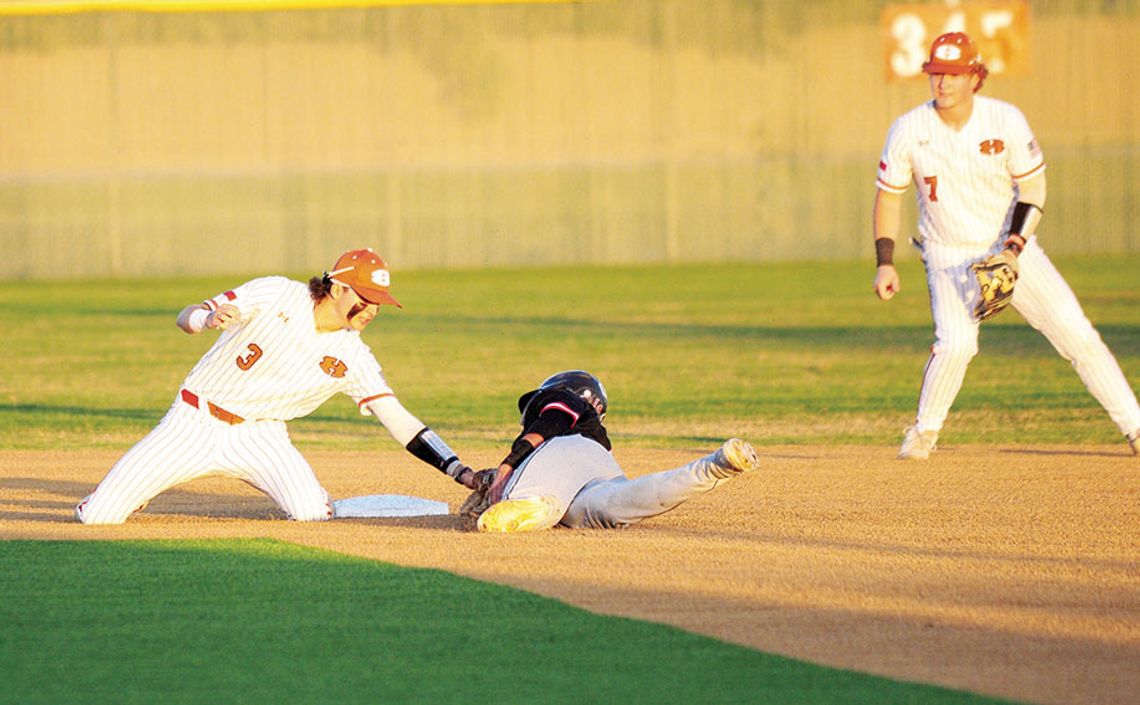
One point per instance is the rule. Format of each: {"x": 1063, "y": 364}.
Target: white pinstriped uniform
{"x": 967, "y": 184}
{"x": 270, "y": 367}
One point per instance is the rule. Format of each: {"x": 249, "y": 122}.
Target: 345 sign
{"x": 1000, "y": 29}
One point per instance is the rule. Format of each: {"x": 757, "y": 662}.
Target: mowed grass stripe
{"x": 262, "y": 621}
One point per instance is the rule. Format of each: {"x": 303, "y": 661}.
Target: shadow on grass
{"x": 151, "y": 414}
{"x": 1012, "y": 338}
{"x": 79, "y": 411}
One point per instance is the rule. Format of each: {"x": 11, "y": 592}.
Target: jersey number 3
{"x": 245, "y": 362}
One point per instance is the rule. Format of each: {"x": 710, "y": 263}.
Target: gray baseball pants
{"x": 594, "y": 492}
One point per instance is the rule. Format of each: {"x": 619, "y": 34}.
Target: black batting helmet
{"x": 579, "y": 382}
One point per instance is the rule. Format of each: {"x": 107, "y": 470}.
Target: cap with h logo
{"x": 366, "y": 273}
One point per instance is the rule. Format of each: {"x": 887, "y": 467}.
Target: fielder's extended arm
{"x": 417, "y": 438}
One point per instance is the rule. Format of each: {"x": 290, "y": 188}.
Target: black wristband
{"x": 884, "y": 251}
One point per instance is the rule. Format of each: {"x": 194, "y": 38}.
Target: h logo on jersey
{"x": 333, "y": 367}
{"x": 991, "y": 146}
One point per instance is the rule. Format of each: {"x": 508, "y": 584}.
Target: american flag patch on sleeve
{"x": 1034, "y": 150}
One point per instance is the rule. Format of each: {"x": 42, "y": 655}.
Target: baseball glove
{"x": 476, "y": 502}
{"x": 996, "y": 275}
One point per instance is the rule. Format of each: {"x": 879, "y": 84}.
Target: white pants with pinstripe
{"x": 188, "y": 444}
{"x": 1046, "y": 302}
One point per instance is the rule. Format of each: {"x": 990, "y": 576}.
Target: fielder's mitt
{"x": 476, "y": 502}
{"x": 996, "y": 277}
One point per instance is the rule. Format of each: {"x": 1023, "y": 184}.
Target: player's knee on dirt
{"x": 322, "y": 511}
{"x": 95, "y": 513}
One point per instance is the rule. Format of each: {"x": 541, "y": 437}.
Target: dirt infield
{"x": 1007, "y": 571}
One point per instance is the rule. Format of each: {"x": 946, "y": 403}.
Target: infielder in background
{"x": 285, "y": 348}
{"x": 560, "y": 470}
{"x": 981, "y": 191}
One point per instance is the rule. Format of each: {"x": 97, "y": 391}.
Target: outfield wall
{"x": 631, "y": 131}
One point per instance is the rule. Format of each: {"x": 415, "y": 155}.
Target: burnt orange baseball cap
{"x": 366, "y": 273}
{"x": 953, "y": 53}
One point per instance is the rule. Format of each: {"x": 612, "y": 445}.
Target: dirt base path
{"x": 1007, "y": 571}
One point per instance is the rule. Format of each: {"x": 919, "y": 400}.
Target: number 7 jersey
{"x": 967, "y": 179}
{"x": 273, "y": 364}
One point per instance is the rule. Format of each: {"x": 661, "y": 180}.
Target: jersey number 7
{"x": 932, "y": 182}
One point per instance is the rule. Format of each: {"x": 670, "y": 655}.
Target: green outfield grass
{"x": 258, "y": 621}
{"x": 780, "y": 353}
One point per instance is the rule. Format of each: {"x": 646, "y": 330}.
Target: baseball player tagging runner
{"x": 980, "y": 178}
{"x": 560, "y": 470}
{"x": 285, "y": 348}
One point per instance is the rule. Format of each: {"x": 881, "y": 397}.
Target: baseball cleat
{"x": 918, "y": 445}
{"x": 1134, "y": 442}
{"x": 735, "y": 457}
{"x": 526, "y": 514}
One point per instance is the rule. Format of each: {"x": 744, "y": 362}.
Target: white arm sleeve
{"x": 192, "y": 319}
{"x": 398, "y": 420}
{"x": 1033, "y": 191}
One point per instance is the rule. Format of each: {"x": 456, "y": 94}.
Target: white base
{"x": 387, "y": 505}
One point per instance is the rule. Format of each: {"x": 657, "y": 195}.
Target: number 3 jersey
{"x": 273, "y": 364}
{"x": 966, "y": 179}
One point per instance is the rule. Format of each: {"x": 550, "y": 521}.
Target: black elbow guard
{"x": 1025, "y": 218}
{"x": 431, "y": 449}
{"x": 520, "y": 449}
